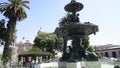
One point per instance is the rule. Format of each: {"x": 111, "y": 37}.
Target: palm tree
{"x": 14, "y": 11}
{"x": 65, "y": 20}
{"x": 62, "y": 32}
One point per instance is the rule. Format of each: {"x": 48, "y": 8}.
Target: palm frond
{"x": 4, "y": 3}
{"x": 3, "y": 8}
{"x": 11, "y": 1}
{"x": 25, "y": 6}
{"x": 24, "y": 2}
{"x": 21, "y": 14}
{"x": 14, "y": 9}
{"x": 15, "y": 1}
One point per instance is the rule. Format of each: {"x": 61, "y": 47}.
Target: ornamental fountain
{"x": 72, "y": 29}
{"x": 76, "y": 31}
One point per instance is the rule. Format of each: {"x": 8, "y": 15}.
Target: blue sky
{"x": 47, "y": 13}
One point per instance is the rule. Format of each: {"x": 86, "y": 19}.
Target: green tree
{"x": 48, "y": 42}
{"x": 99, "y": 54}
{"x": 2, "y": 31}
{"x": 90, "y": 48}
{"x": 14, "y": 12}
{"x": 65, "y": 20}
{"x": 63, "y": 33}
{"x": 85, "y": 43}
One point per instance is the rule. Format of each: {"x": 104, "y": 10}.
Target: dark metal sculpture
{"x": 73, "y": 7}
{"x": 75, "y": 31}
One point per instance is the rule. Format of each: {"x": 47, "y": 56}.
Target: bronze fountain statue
{"x": 75, "y": 31}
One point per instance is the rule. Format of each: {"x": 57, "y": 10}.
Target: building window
{"x": 106, "y": 54}
{"x": 114, "y": 54}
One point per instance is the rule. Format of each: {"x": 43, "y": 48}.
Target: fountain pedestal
{"x": 74, "y": 65}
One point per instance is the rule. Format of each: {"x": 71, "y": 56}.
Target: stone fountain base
{"x": 75, "y": 65}
{"x": 80, "y": 64}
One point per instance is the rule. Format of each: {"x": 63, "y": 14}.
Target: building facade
{"x": 20, "y": 47}
{"x": 109, "y": 50}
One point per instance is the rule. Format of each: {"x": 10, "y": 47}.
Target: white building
{"x": 109, "y": 50}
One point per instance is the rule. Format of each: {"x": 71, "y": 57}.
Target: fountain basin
{"x": 81, "y": 64}
{"x": 80, "y": 29}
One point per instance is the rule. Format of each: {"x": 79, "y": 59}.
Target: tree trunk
{"x": 9, "y": 40}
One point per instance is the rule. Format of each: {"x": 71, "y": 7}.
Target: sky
{"x": 47, "y": 13}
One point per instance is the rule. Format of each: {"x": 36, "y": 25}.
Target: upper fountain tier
{"x": 73, "y": 6}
